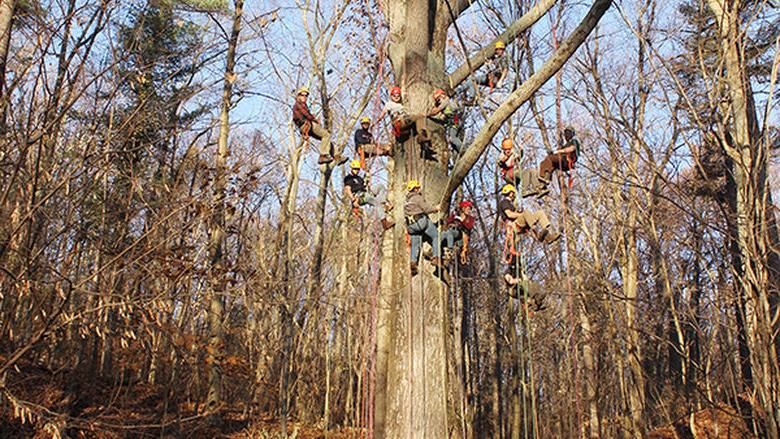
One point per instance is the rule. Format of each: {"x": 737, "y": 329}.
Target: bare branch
{"x": 523, "y": 93}
{"x": 513, "y": 31}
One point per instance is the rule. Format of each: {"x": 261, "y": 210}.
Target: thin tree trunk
{"x": 217, "y": 275}
{"x": 6, "y": 24}
{"x": 739, "y": 135}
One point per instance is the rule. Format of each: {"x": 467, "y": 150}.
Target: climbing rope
{"x": 370, "y": 372}
{"x": 525, "y": 337}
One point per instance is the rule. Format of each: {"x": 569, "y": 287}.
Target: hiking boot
{"x": 547, "y": 237}
{"x": 324, "y": 159}
{"x": 422, "y": 137}
{"x": 340, "y": 159}
{"x": 427, "y": 153}
{"x": 542, "y": 193}
{"x": 387, "y": 223}
{"x": 388, "y": 206}
{"x": 552, "y": 237}
{"x": 413, "y": 268}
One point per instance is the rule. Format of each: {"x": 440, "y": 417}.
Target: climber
{"x": 497, "y": 66}
{"x": 445, "y": 111}
{"x": 365, "y": 146}
{"x": 309, "y": 126}
{"x": 405, "y": 124}
{"x": 459, "y": 229}
{"x": 562, "y": 158}
{"x": 356, "y": 190}
{"x": 507, "y": 160}
{"x": 516, "y": 284}
{"x": 419, "y": 225}
{"x": 519, "y": 220}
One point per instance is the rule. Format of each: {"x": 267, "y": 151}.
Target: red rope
{"x": 573, "y": 346}
{"x": 375, "y": 265}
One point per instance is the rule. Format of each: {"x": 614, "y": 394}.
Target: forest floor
{"x": 41, "y": 403}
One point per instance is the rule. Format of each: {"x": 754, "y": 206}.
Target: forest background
{"x": 174, "y": 263}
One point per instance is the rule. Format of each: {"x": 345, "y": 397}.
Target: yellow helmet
{"x": 413, "y": 184}
{"x": 365, "y": 119}
{"x": 507, "y": 189}
{"x": 500, "y": 45}
{"x": 303, "y": 90}
{"x": 354, "y": 164}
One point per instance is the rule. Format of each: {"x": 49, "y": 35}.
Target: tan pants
{"x": 374, "y": 149}
{"x": 530, "y": 219}
{"x": 318, "y": 132}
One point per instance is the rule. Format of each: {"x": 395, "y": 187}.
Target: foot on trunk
{"x": 340, "y": 159}
{"x": 387, "y": 223}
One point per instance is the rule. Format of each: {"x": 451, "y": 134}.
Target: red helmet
{"x": 438, "y": 93}
{"x": 464, "y": 204}
{"x": 395, "y": 91}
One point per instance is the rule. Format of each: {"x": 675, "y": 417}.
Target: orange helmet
{"x": 395, "y": 91}
{"x": 506, "y": 144}
{"x": 439, "y": 93}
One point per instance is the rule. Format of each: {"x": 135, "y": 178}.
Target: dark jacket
{"x": 363, "y": 137}
{"x": 301, "y": 114}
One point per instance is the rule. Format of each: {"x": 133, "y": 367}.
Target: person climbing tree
{"x": 496, "y": 69}
{"x": 562, "y": 158}
{"x": 309, "y": 126}
{"x": 445, "y": 111}
{"x": 507, "y": 160}
{"x": 516, "y": 283}
{"x": 365, "y": 146}
{"x": 405, "y": 124}
{"x": 519, "y": 220}
{"x": 419, "y": 225}
{"x": 459, "y": 227}
{"x": 356, "y": 190}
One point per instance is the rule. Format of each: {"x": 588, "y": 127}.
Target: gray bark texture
{"x": 412, "y": 379}
{"x": 217, "y": 224}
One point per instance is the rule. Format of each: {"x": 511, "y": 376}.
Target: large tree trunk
{"x": 415, "y": 401}
{"x": 217, "y": 224}
{"x": 756, "y": 229}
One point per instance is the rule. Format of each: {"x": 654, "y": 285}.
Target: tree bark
{"x": 415, "y": 401}
{"x": 740, "y": 137}
{"x": 217, "y": 275}
{"x": 6, "y": 23}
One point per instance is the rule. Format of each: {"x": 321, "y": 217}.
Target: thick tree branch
{"x": 460, "y": 6}
{"x": 526, "y": 21}
{"x": 523, "y": 93}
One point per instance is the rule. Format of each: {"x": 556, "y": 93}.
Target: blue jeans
{"x": 453, "y": 135}
{"x": 452, "y": 237}
{"x": 425, "y": 229}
